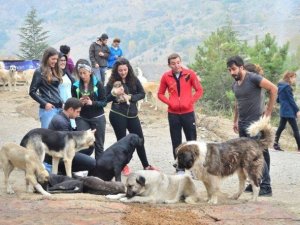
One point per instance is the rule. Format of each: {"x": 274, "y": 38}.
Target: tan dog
{"x": 151, "y": 89}
{"x": 13, "y": 155}
{"x": 27, "y": 76}
{"x": 12, "y": 77}
{"x": 150, "y": 186}
{"x": 4, "y": 78}
{"x": 212, "y": 162}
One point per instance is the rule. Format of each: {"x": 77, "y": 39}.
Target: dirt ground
{"x": 18, "y": 114}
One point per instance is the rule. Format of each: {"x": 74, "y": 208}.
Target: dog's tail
{"x": 24, "y": 141}
{"x": 262, "y": 131}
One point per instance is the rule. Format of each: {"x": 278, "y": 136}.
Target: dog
{"x": 211, "y": 162}
{"x": 27, "y": 76}
{"x": 12, "y": 77}
{"x": 58, "y": 144}
{"x": 150, "y": 186}
{"x": 113, "y": 159}
{"x": 9, "y": 77}
{"x": 151, "y": 89}
{"x": 14, "y": 156}
{"x": 4, "y": 78}
{"x": 121, "y": 97}
{"x": 140, "y": 75}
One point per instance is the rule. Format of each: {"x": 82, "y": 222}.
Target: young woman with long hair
{"x": 124, "y": 116}
{"x": 44, "y": 86}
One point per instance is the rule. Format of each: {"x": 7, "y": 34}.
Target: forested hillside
{"x": 150, "y": 30}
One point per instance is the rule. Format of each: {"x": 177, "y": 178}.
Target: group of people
{"x": 67, "y": 102}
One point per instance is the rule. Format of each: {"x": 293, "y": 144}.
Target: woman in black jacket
{"x": 91, "y": 94}
{"x": 124, "y": 116}
{"x": 44, "y": 86}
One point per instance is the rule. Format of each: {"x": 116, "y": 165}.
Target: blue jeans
{"x": 47, "y": 115}
{"x": 96, "y": 72}
{"x": 102, "y": 74}
{"x": 265, "y": 180}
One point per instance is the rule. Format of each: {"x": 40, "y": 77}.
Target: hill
{"x": 150, "y": 30}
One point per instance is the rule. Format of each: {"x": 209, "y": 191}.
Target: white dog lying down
{"x": 13, "y": 155}
{"x": 150, "y": 186}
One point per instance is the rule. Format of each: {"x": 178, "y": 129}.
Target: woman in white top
{"x": 67, "y": 81}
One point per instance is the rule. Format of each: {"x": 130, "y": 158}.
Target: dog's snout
{"x": 130, "y": 193}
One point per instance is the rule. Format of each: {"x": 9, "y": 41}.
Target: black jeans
{"x": 120, "y": 124}
{"x": 97, "y": 123}
{"x": 281, "y": 127}
{"x": 177, "y": 122}
{"x": 265, "y": 180}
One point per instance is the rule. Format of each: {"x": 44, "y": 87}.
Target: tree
{"x": 269, "y": 56}
{"x": 33, "y": 37}
{"x": 210, "y": 65}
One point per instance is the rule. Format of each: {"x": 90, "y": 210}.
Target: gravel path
{"x": 282, "y": 208}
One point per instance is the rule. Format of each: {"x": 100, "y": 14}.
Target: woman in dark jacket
{"x": 289, "y": 110}
{"x": 124, "y": 116}
{"x": 44, "y": 86}
{"x": 91, "y": 94}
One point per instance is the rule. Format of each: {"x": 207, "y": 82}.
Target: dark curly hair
{"x": 131, "y": 79}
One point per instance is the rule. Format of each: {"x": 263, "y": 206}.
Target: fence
{"x": 22, "y": 64}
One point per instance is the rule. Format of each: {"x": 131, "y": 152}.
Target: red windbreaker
{"x": 184, "y": 102}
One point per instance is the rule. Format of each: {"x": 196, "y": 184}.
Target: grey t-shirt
{"x": 249, "y": 97}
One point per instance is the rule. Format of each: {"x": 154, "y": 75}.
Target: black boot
{"x": 265, "y": 192}
{"x": 276, "y": 146}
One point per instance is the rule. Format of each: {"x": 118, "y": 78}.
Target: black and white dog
{"x": 113, "y": 159}
{"x": 58, "y": 144}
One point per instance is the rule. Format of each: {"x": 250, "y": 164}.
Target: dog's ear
{"x": 195, "y": 151}
{"x": 141, "y": 180}
{"x": 179, "y": 148}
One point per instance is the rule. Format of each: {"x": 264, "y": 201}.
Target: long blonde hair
{"x": 46, "y": 70}
{"x": 287, "y": 76}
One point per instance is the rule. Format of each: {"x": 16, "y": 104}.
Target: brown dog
{"x": 211, "y": 162}
{"x": 13, "y": 155}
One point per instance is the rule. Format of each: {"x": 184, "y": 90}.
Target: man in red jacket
{"x": 180, "y": 82}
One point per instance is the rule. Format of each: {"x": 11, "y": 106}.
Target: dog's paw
{"x": 213, "y": 201}
{"x": 10, "y": 191}
{"x": 115, "y": 197}
{"x": 46, "y": 194}
{"x": 170, "y": 201}
{"x": 124, "y": 200}
{"x": 190, "y": 200}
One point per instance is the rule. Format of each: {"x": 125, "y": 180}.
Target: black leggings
{"x": 120, "y": 124}
{"x": 281, "y": 127}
